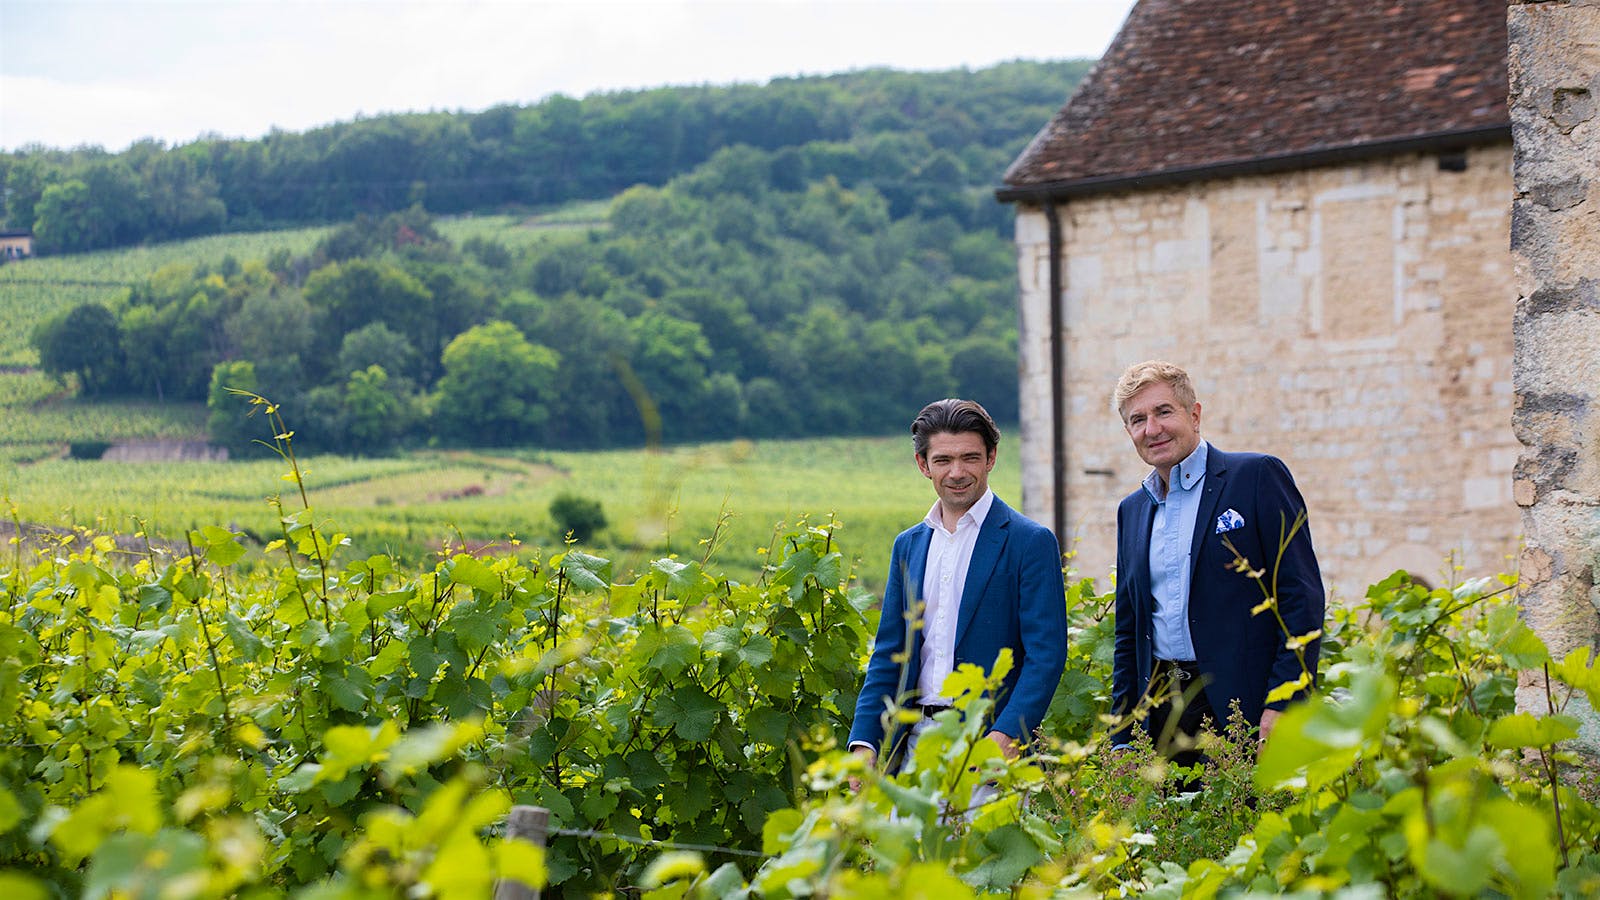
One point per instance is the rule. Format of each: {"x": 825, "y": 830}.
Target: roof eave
{"x": 1260, "y": 165}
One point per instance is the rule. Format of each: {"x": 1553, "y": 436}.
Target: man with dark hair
{"x": 973, "y": 577}
{"x": 1192, "y": 634}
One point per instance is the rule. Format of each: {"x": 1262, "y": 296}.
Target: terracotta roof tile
{"x": 1198, "y": 83}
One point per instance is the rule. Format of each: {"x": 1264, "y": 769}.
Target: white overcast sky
{"x": 110, "y": 72}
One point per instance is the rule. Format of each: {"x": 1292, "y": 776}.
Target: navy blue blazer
{"x": 1014, "y": 596}
{"x": 1243, "y": 656}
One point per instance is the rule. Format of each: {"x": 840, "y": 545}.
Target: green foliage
{"x": 306, "y": 721}
{"x": 83, "y": 342}
{"x": 580, "y": 517}
{"x": 62, "y": 218}
{"x": 411, "y": 231}
{"x": 275, "y": 331}
{"x": 946, "y": 133}
{"x": 497, "y": 387}
{"x": 828, "y": 262}
{"x": 360, "y": 292}
{"x": 369, "y": 414}
{"x": 311, "y": 718}
{"x": 103, "y": 203}
{"x": 850, "y": 211}
{"x": 1413, "y": 777}
{"x": 228, "y": 425}
{"x": 376, "y": 344}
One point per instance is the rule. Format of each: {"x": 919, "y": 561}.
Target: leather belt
{"x": 929, "y": 710}
{"x": 1183, "y": 670}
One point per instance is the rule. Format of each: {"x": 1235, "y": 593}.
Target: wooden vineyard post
{"x": 528, "y": 823}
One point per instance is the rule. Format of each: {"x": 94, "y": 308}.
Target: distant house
{"x": 1308, "y": 206}
{"x": 15, "y": 244}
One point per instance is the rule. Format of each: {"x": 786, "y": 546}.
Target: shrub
{"x": 577, "y": 516}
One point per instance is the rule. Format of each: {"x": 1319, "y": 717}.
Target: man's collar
{"x": 1185, "y": 475}
{"x": 978, "y": 512}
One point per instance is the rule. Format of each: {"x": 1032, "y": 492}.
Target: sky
{"x": 110, "y": 72}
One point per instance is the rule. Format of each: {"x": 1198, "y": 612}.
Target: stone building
{"x": 1307, "y": 205}
{"x": 15, "y": 244}
{"x": 1555, "y": 106}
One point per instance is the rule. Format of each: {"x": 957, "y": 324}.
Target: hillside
{"x": 40, "y": 417}
{"x": 880, "y": 126}
{"x": 829, "y": 286}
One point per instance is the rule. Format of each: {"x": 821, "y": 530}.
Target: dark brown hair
{"x": 953, "y": 417}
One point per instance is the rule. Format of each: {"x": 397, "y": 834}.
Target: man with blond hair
{"x": 1203, "y": 542}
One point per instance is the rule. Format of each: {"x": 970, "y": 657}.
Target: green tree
{"x": 770, "y": 409}
{"x": 590, "y": 404}
{"x": 562, "y": 267}
{"x": 497, "y": 387}
{"x": 368, "y": 413}
{"x": 984, "y": 367}
{"x": 643, "y": 210}
{"x": 928, "y": 141}
{"x": 460, "y": 301}
{"x": 275, "y": 329}
{"x": 85, "y": 341}
{"x": 738, "y": 342}
{"x": 25, "y": 183}
{"x": 233, "y": 422}
{"x": 378, "y": 415}
{"x": 375, "y": 344}
{"x": 362, "y": 291}
{"x": 63, "y": 218}
{"x": 488, "y": 252}
{"x": 669, "y": 357}
{"x": 183, "y": 198}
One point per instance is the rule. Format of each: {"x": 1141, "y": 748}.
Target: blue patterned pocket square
{"x": 1229, "y": 521}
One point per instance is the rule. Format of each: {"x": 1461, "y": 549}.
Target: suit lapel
{"x": 917, "y": 564}
{"x": 1142, "y": 591}
{"x": 985, "y": 553}
{"x": 1206, "y": 513}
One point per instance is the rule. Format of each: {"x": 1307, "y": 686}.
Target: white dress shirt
{"x": 949, "y": 556}
{"x": 944, "y": 577}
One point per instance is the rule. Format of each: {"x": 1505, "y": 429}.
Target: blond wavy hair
{"x": 1139, "y": 376}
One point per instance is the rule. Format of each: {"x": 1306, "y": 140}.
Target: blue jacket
{"x": 1013, "y": 597}
{"x": 1243, "y": 656}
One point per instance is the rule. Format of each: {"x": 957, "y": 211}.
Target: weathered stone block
{"x": 1554, "y": 63}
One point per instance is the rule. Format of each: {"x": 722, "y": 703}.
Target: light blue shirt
{"x": 1171, "y": 536}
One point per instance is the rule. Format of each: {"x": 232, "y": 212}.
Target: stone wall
{"x": 169, "y": 450}
{"x": 1354, "y": 321}
{"x": 1555, "y": 113}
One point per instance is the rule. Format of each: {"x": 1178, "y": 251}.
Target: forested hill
{"x": 905, "y": 134}
{"x": 816, "y": 256}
